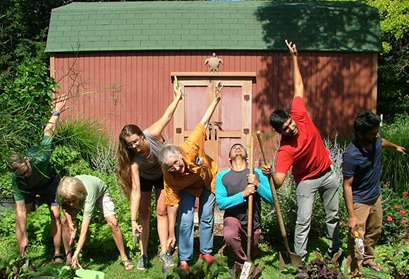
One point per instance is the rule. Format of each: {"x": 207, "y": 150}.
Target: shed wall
{"x": 338, "y": 85}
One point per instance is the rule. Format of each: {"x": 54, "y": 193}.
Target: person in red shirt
{"x": 302, "y": 148}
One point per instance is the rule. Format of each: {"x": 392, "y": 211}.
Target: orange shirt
{"x": 196, "y": 177}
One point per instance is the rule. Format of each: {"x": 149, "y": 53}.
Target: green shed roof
{"x": 203, "y": 25}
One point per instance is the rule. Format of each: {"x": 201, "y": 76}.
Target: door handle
{"x": 210, "y": 130}
{"x": 219, "y": 124}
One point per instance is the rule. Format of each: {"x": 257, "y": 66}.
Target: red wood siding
{"x": 338, "y": 85}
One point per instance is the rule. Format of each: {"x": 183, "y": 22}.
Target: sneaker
{"x": 166, "y": 259}
{"x": 208, "y": 258}
{"x": 143, "y": 262}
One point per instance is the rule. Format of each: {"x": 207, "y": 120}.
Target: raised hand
{"x": 60, "y": 103}
{"x": 292, "y": 48}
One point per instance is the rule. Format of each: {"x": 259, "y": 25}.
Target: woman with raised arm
{"x": 138, "y": 171}
{"x": 189, "y": 173}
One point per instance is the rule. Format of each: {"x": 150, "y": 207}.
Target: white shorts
{"x": 106, "y": 205}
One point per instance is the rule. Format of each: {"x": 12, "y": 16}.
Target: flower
{"x": 403, "y": 222}
{"x": 389, "y": 219}
{"x": 405, "y": 193}
{"x": 402, "y": 211}
{"x": 396, "y": 206}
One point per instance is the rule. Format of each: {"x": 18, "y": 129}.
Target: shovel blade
{"x": 287, "y": 259}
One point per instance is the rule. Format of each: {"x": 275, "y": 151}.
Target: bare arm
{"x": 172, "y": 213}
{"x": 81, "y": 242}
{"x": 352, "y": 220}
{"x": 298, "y": 83}
{"x": 52, "y": 122}
{"x": 21, "y": 226}
{"x": 278, "y": 179}
{"x": 210, "y": 110}
{"x": 135, "y": 198}
{"x": 156, "y": 128}
{"x": 390, "y": 145}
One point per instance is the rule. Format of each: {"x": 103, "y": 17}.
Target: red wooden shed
{"x": 119, "y": 58}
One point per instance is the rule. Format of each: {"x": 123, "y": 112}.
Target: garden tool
{"x": 359, "y": 243}
{"x": 286, "y": 257}
{"x": 249, "y": 270}
{"x": 136, "y": 239}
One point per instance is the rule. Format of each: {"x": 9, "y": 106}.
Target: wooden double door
{"x": 231, "y": 121}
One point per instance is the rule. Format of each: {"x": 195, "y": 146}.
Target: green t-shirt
{"x": 42, "y": 172}
{"x": 96, "y": 188}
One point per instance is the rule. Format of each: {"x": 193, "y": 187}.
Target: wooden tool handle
{"x": 250, "y": 205}
{"x": 275, "y": 197}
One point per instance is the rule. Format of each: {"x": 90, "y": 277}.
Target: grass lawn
{"x": 112, "y": 268}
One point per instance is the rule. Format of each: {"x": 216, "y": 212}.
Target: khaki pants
{"x": 370, "y": 217}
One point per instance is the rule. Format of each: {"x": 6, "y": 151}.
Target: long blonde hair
{"x": 124, "y": 157}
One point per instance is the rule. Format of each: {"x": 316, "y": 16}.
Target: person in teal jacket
{"x": 233, "y": 187}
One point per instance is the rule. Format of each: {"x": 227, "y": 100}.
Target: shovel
{"x": 286, "y": 257}
{"x": 249, "y": 270}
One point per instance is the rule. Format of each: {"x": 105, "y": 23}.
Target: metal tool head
{"x": 136, "y": 239}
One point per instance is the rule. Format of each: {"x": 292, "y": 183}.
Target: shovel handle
{"x": 275, "y": 197}
{"x": 250, "y": 205}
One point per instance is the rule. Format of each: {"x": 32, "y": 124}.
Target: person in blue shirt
{"x": 361, "y": 170}
{"x": 233, "y": 187}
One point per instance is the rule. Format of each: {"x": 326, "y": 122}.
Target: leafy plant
{"x": 320, "y": 268}
{"x": 202, "y": 270}
{"x": 396, "y": 259}
{"x": 395, "y": 166}
{"x": 56, "y": 270}
{"x": 25, "y": 104}
{"x": 396, "y": 216}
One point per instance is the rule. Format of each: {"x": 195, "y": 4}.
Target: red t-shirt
{"x": 306, "y": 152}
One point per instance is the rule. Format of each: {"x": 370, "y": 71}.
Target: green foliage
{"x": 396, "y": 259}
{"x": 25, "y": 105}
{"x": 63, "y": 157}
{"x": 396, "y": 214}
{"x": 5, "y": 185}
{"x": 80, "y": 135}
{"x": 395, "y": 166}
{"x": 55, "y": 270}
{"x": 202, "y": 270}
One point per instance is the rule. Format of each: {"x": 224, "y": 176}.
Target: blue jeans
{"x": 185, "y": 226}
{"x": 327, "y": 185}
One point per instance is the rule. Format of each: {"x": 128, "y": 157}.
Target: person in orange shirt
{"x": 189, "y": 173}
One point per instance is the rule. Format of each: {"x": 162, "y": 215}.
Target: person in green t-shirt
{"x": 85, "y": 192}
{"x": 34, "y": 177}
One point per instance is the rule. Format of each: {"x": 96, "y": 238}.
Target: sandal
{"x": 127, "y": 264}
{"x": 58, "y": 258}
{"x": 374, "y": 266}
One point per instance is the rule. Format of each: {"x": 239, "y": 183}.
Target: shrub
{"x": 80, "y": 135}
{"x": 396, "y": 259}
{"x": 25, "y": 103}
{"x": 395, "y": 216}
{"x": 395, "y": 166}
